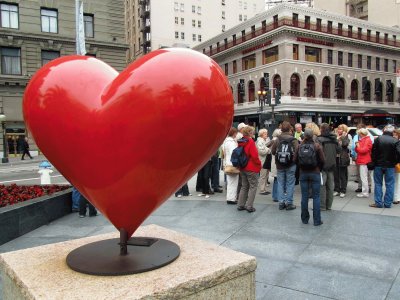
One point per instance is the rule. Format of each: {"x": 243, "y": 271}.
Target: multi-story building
{"x": 375, "y": 11}
{"x": 271, "y": 3}
{"x": 33, "y": 32}
{"x": 328, "y": 67}
{"x": 154, "y": 24}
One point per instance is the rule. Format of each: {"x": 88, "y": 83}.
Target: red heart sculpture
{"x": 128, "y": 141}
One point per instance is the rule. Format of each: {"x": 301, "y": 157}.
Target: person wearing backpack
{"x": 284, "y": 148}
{"x": 331, "y": 148}
{"x": 310, "y": 159}
{"x": 249, "y": 172}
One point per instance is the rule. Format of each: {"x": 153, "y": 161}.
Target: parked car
{"x": 375, "y": 132}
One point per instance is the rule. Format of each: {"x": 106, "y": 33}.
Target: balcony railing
{"x": 343, "y": 32}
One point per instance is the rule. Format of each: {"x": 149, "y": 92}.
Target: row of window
{"x": 313, "y": 54}
{"x": 10, "y": 59}
{"x": 181, "y": 7}
{"x": 183, "y": 22}
{"x": 9, "y": 18}
{"x": 195, "y": 37}
{"x": 309, "y": 91}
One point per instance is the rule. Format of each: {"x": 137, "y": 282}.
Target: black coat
{"x": 386, "y": 151}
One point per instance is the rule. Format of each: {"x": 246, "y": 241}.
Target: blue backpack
{"x": 239, "y": 158}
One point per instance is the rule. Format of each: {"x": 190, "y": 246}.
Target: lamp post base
{"x": 4, "y": 160}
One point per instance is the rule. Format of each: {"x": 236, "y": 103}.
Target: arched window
{"x": 326, "y": 87}
{"x": 340, "y": 89}
{"x": 276, "y": 83}
{"x": 252, "y": 93}
{"x": 354, "y": 90}
{"x": 367, "y": 90}
{"x": 263, "y": 84}
{"x": 240, "y": 93}
{"x": 295, "y": 85}
{"x": 310, "y": 87}
{"x": 378, "y": 90}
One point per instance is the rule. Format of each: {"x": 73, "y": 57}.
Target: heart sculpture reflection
{"x": 128, "y": 141}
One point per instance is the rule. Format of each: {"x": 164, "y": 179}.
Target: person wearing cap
{"x": 240, "y": 127}
{"x": 385, "y": 155}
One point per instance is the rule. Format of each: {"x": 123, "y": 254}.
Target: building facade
{"x": 154, "y": 24}
{"x": 328, "y": 67}
{"x": 375, "y": 11}
{"x": 33, "y": 32}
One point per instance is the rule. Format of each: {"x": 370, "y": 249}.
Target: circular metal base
{"x": 103, "y": 257}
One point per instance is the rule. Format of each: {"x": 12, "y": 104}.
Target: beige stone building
{"x": 33, "y": 32}
{"x": 328, "y": 67}
{"x": 153, "y": 24}
{"x": 385, "y": 12}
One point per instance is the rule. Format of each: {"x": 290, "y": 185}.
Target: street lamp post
{"x": 3, "y": 126}
{"x": 261, "y": 101}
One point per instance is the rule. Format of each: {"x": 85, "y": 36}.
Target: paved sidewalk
{"x": 351, "y": 256}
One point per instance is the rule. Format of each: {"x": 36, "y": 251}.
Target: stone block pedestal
{"x": 202, "y": 271}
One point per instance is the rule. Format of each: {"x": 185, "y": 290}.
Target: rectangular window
{"x": 193, "y": 8}
{"x": 369, "y": 60}
{"x": 176, "y": 20}
{"x": 350, "y": 31}
{"x": 48, "y": 56}
{"x": 223, "y": 2}
{"x": 248, "y": 62}
{"x": 350, "y": 59}
{"x": 295, "y": 51}
{"x": 198, "y": 10}
{"x": 276, "y": 21}
{"x": 360, "y": 61}
{"x": 223, "y": 28}
{"x": 226, "y": 69}
{"x": 340, "y": 58}
{"x": 307, "y": 22}
{"x": 368, "y": 35}
{"x": 240, "y": 17}
{"x": 193, "y": 23}
{"x": 329, "y": 26}
{"x": 9, "y": 15}
{"x": 10, "y": 61}
{"x": 295, "y": 20}
{"x": 234, "y": 67}
{"x": 253, "y": 31}
{"x": 223, "y": 15}
{"x": 49, "y": 20}
{"x": 394, "y": 66}
{"x": 199, "y": 23}
{"x": 244, "y": 17}
{"x": 386, "y": 38}
{"x": 386, "y": 65}
{"x": 176, "y": 6}
{"x": 340, "y": 29}
{"x": 377, "y": 36}
{"x": 199, "y": 37}
{"x": 182, "y": 35}
{"x": 88, "y": 21}
{"x": 319, "y": 24}
{"x": 378, "y": 63}
{"x": 270, "y": 55}
{"x": 330, "y": 56}
{"x": 176, "y": 34}
{"x": 359, "y": 33}
{"x": 182, "y": 7}
{"x": 182, "y": 21}
{"x": 194, "y": 37}
{"x": 313, "y": 54}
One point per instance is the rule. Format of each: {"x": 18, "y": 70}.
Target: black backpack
{"x": 239, "y": 158}
{"x": 284, "y": 152}
{"x": 307, "y": 156}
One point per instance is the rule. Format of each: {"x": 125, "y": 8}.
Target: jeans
{"x": 388, "y": 173}
{"x": 249, "y": 188}
{"x": 286, "y": 179}
{"x": 215, "y": 172}
{"x": 275, "y": 189}
{"x": 313, "y": 180}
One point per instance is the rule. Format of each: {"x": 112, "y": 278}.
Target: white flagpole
{"x": 80, "y": 33}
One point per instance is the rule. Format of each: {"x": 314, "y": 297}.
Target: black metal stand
{"x": 101, "y": 258}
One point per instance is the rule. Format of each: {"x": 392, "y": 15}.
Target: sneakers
{"x": 82, "y": 216}
{"x": 282, "y": 206}
{"x": 201, "y": 195}
{"x": 342, "y": 195}
{"x": 265, "y": 193}
{"x": 362, "y": 195}
{"x": 179, "y": 196}
{"x": 207, "y": 196}
{"x": 290, "y": 206}
{"x": 335, "y": 194}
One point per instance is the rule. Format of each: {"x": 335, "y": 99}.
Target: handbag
{"x": 231, "y": 170}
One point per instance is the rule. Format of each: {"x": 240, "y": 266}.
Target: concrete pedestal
{"x": 202, "y": 271}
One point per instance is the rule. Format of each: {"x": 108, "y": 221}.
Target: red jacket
{"x": 364, "y": 150}
{"x": 254, "y": 164}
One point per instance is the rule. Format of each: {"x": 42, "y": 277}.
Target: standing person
{"x": 315, "y": 129}
{"x": 275, "y": 134}
{"x": 283, "y": 149}
{"x": 363, "y": 149}
{"x": 331, "y": 148}
{"x": 299, "y": 135}
{"x": 354, "y": 157}
{"x": 215, "y": 173}
{"x": 310, "y": 159}
{"x": 249, "y": 174}
{"x": 232, "y": 176}
{"x": 396, "y": 197}
{"x": 203, "y": 177}
{"x": 83, "y": 203}
{"x": 263, "y": 151}
{"x": 385, "y": 155}
{"x": 239, "y": 135}
{"x": 25, "y": 149}
{"x": 342, "y": 162}
{"x": 183, "y": 191}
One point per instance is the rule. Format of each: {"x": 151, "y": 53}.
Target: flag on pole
{"x": 80, "y": 31}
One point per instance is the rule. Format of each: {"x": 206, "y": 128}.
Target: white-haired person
{"x": 363, "y": 148}
{"x": 232, "y": 173}
{"x": 263, "y": 151}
